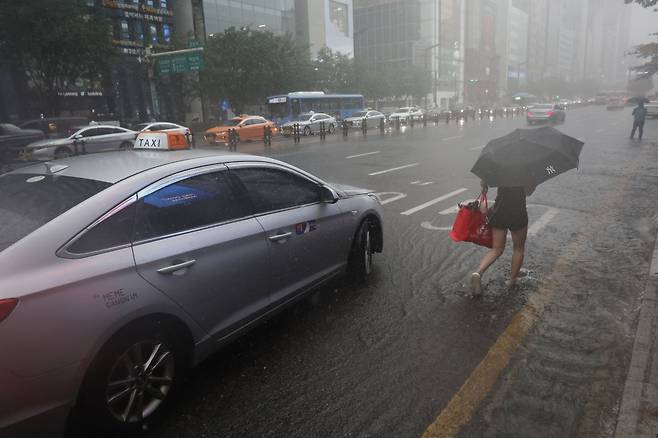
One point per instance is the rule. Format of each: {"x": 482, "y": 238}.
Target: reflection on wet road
{"x": 410, "y": 352}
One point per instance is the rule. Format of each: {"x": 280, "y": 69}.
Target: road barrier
{"x": 382, "y": 127}
{"x": 364, "y": 126}
{"x": 323, "y": 132}
{"x": 346, "y": 128}
{"x": 267, "y": 136}
{"x": 233, "y": 139}
{"x": 397, "y": 124}
{"x": 296, "y": 133}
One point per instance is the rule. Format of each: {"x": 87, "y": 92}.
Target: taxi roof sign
{"x": 158, "y": 140}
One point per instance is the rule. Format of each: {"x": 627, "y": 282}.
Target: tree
{"x": 649, "y": 51}
{"x": 245, "y": 66}
{"x": 55, "y": 43}
{"x": 644, "y": 3}
{"x": 334, "y": 72}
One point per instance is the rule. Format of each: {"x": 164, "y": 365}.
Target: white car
{"x": 309, "y": 123}
{"x": 406, "y": 113}
{"x": 164, "y": 127}
{"x": 372, "y": 117}
{"x": 89, "y": 139}
{"x": 652, "y": 109}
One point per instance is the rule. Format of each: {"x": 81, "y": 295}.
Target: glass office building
{"x": 277, "y": 16}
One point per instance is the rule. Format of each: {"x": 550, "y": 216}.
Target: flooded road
{"x": 410, "y": 351}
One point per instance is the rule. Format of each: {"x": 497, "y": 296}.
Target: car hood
{"x": 49, "y": 143}
{"x": 347, "y": 190}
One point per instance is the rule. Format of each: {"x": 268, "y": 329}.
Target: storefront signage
{"x": 113, "y": 4}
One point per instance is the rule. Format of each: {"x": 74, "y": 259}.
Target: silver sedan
{"x": 118, "y": 271}
{"x": 93, "y": 138}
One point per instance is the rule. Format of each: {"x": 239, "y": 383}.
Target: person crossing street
{"x": 639, "y": 116}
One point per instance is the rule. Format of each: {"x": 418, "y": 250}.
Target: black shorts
{"x": 506, "y": 221}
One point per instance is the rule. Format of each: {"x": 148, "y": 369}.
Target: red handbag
{"x": 471, "y": 224}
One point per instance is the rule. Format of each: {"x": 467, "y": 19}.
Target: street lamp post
{"x": 433, "y": 73}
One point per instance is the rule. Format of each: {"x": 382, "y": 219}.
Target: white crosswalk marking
{"x": 543, "y": 220}
{"x": 394, "y": 196}
{"x": 349, "y": 157}
{"x": 381, "y": 172}
{"x": 433, "y": 201}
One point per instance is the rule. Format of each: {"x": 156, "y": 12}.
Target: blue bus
{"x": 284, "y": 107}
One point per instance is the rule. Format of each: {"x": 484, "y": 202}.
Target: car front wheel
{"x": 360, "y": 261}
{"x": 132, "y": 379}
{"x": 331, "y": 129}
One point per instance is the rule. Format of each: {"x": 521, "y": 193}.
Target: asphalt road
{"x": 410, "y": 352}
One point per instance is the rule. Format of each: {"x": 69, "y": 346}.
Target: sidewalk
{"x": 638, "y": 413}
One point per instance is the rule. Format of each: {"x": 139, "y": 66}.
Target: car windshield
{"x": 402, "y": 110}
{"x": 359, "y": 114}
{"x": 28, "y": 201}
{"x": 140, "y": 126}
{"x": 302, "y": 118}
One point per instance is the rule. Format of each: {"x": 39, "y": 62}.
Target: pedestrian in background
{"x": 639, "y": 116}
{"x": 509, "y": 213}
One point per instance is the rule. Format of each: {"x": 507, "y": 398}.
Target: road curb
{"x": 638, "y": 412}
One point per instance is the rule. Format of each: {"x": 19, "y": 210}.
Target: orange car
{"x": 247, "y": 128}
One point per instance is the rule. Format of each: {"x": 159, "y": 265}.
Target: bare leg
{"x": 518, "y": 239}
{"x": 499, "y": 240}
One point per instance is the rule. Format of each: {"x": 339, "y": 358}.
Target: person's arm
{"x": 484, "y": 186}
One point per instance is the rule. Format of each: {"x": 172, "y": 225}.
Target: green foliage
{"x": 56, "y": 43}
{"x": 245, "y": 66}
{"x": 334, "y": 72}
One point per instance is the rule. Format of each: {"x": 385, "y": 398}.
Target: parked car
{"x": 13, "y": 139}
{"x": 56, "y": 127}
{"x": 485, "y": 111}
{"x": 309, "y": 124}
{"x": 164, "y": 127}
{"x": 462, "y": 112}
{"x": 615, "y": 104}
{"x": 248, "y": 128}
{"x": 443, "y": 113}
{"x": 405, "y": 114}
{"x": 546, "y": 113}
{"x": 124, "y": 269}
{"x": 89, "y": 139}
{"x": 652, "y": 109}
{"x": 372, "y": 118}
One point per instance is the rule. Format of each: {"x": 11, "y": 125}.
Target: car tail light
{"x": 6, "y": 307}
{"x": 530, "y": 114}
{"x": 549, "y": 114}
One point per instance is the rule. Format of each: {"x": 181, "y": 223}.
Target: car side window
{"x": 270, "y": 189}
{"x": 93, "y": 132}
{"x": 112, "y": 232}
{"x": 184, "y": 205}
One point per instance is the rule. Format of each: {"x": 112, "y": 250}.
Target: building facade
{"x": 277, "y": 16}
{"x": 426, "y": 33}
{"x": 325, "y": 23}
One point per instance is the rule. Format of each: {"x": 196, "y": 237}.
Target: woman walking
{"x": 509, "y": 213}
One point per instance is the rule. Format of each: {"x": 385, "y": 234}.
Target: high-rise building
{"x": 277, "y": 16}
{"x": 325, "y": 23}
{"x": 426, "y": 33}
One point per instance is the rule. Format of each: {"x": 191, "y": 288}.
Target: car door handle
{"x": 278, "y": 237}
{"x": 176, "y": 267}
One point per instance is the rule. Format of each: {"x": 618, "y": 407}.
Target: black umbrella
{"x": 637, "y": 99}
{"x": 527, "y": 157}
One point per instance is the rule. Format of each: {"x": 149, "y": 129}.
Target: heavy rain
{"x": 328, "y": 218}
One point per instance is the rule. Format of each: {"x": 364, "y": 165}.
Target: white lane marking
{"x": 478, "y": 147}
{"x": 381, "y": 172}
{"x": 433, "y": 201}
{"x": 349, "y": 157}
{"x": 600, "y": 130}
{"x": 453, "y": 137}
{"x": 455, "y": 208}
{"x": 543, "y": 220}
{"x": 415, "y": 182}
{"x": 428, "y": 226}
{"x": 395, "y": 196}
{"x": 427, "y": 183}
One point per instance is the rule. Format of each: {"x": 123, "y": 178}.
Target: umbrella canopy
{"x": 527, "y": 157}
{"x": 637, "y": 99}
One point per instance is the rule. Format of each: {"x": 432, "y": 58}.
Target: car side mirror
{"x": 77, "y": 136}
{"x": 328, "y": 195}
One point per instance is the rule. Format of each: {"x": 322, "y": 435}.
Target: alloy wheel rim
{"x": 368, "y": 254}
{"x": 139, "y": 381}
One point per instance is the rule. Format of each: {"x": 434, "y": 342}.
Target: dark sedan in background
{"x": 13, "y": 139}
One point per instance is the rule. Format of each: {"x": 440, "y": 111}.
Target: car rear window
{"x": 28, "y": 201}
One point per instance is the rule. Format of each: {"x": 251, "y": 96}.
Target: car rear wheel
{"x": 360, "y": 261}
{"x": 133, "y": 378}
{"x": 63, "y": 153}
